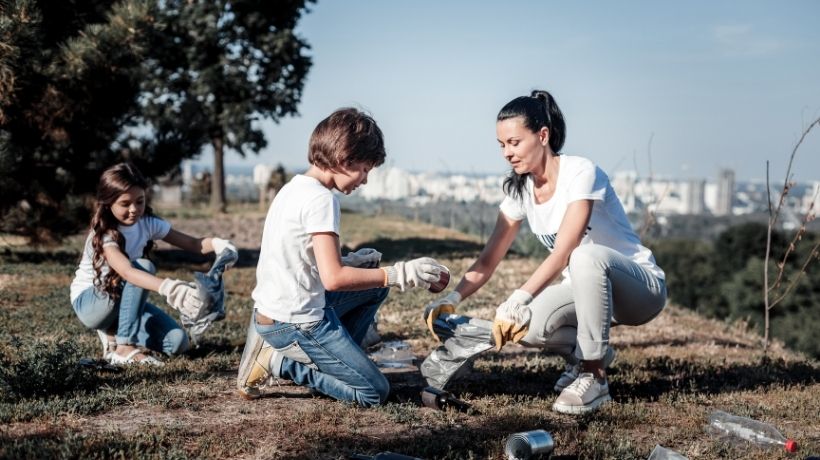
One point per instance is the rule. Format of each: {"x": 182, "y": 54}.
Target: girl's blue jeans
{"x": 325, "y": 355}
{"x": 139, "y": 322}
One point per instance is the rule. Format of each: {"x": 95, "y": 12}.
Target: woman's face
{"x": 522, "y": 148}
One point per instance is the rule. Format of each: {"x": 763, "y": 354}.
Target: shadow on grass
{"x": 404, "y": 248}
{"x": 38, "y": 256}
{"x": 674, "y": 375}
{"x": 457, "y": 441}
{"x": 646, "y": 380}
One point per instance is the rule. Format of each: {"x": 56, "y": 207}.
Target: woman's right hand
{"x": 182, "y": 296}
{"x": 444, "y": 305}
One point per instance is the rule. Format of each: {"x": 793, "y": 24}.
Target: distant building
{"x": 725, "y": 193}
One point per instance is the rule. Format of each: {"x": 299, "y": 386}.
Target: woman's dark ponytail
{"x": 538, "y": 110}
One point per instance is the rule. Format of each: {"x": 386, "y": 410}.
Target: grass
{"x": 668, "y": 377}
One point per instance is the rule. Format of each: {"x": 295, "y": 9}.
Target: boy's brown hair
{"x": 345, "y": 137}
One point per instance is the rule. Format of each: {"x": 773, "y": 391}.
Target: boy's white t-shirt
{"x": 136, "y": 237}
{"x": 580, "y": 179}
{"x": 288, "y": 287}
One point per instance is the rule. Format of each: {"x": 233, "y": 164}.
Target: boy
{"x": 311, "y": 308}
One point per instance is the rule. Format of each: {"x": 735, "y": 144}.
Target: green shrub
{"x": 40, "y": 369}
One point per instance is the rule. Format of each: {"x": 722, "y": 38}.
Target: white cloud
{"x": 741, "y": 40}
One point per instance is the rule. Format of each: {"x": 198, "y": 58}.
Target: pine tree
{"x": 69, "y": 85}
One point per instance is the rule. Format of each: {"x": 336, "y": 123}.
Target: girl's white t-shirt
{"x": 580, "y": 179}
{"x": 288, "y": 287}
{"x": 136, "y": 237}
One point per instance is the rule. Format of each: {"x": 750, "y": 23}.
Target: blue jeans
{"x": 138, "y": 322}
{"x": 325, "y": 354}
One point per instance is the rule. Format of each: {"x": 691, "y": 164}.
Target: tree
{"x": 219, "y": 67}
{"x": 776, "y": 292}
{"x": 69, "y": 85}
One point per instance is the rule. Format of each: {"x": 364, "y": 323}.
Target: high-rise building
{"x": 725, "y": 192}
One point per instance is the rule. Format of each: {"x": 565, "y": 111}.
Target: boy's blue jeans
{"x": 325, "y": 354}
{"x": 138, "y": 321}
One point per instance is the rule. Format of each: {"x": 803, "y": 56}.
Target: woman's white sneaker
{"x": 583, "y": 395}
{"x": 571, "y": 371}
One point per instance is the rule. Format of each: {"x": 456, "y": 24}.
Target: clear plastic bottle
{"x": 760, "y": 433}
{"x": 662, "y": 453}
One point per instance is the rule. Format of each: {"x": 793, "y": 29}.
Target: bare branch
{"x": 813, "y": 254}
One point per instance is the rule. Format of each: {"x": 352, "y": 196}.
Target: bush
{"x": 40, "y": 369}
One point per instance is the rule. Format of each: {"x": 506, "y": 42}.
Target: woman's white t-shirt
{"x": 136, "y": 237}
{"x": 288, "y": 287}
{"x": 580, "y": 179}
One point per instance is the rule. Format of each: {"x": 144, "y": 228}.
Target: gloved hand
{"x": 364, "y": 258}
{"x": 182, "y": 296}
{"x": 512, "y": 318}
{"x": 221, "y": 245}
{"x": 444, "y": 305}
{"x": 414, "y": 273}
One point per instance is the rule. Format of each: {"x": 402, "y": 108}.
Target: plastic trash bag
{"x": 212, "y": 292}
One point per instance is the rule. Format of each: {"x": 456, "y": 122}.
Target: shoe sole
{"x": 253, "y": 366}
{"x": 577, "y": 410}
{"x": 559, "y": 388}
{"x": 249, "y": 393}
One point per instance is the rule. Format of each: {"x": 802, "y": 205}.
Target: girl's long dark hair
{"x": 114, "y": 181}
{"x": 539, "y": 110}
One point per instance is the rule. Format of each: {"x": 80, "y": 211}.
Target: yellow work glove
{"x": 444, "y": 305}
{"x": 512, "y": 318}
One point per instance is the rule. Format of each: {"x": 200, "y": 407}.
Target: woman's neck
{"x": 548, "y": 172}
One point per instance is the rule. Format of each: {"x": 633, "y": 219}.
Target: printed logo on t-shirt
{"x": 549, "y": 240}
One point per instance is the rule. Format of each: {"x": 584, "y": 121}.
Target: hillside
{"x": 669, "y": 374}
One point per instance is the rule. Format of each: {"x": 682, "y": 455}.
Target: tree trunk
{"x": 218, "y": 179}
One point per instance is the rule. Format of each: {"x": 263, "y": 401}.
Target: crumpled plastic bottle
{"x": 760, "y": 433}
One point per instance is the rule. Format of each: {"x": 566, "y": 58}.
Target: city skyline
{"x": 690, "y": 89}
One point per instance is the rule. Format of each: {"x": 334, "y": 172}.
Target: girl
{"x": 608, "y": 276}
{"x": 111, "y": 285}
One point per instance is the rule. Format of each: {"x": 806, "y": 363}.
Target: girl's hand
{"x": 183, "y": 297}
{"x": 221, "y": 245}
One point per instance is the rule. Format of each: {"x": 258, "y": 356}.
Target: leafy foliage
{"x": 724, "y": 279}
{"x": 86, "y": 84}
{"x": 41, "y": 369}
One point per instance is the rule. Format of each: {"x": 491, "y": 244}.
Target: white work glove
{"x": 512, "y": 318}
{"x": 444, "y": 305}
{"x": 221, "y": 245}
{"x": 182, "y": 296}
{"x": 414, "y": 273}
{"x": 365, "y": 257}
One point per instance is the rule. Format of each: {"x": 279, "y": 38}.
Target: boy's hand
{"x": 221, "y": 245}
{"x": 414, "y": 273}
{"x": 446, "y": 304}
{"x": 363, "y": 258}
{"x": 512, "y": 318}
{"x": 182, "y": 296}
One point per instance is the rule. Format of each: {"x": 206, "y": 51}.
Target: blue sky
{"x": 701, "y": 85}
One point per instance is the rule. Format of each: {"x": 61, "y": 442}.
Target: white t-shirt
{"x": 136, "y": 237}
{"x": 580, "y": 179}
{"x": 288, "y": 287}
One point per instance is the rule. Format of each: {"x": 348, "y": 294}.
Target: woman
{"x": 570, "y": 206}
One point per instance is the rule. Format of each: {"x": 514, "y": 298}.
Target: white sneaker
{"x": 583, "y": 395}
{"x": 571, "y": 371}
